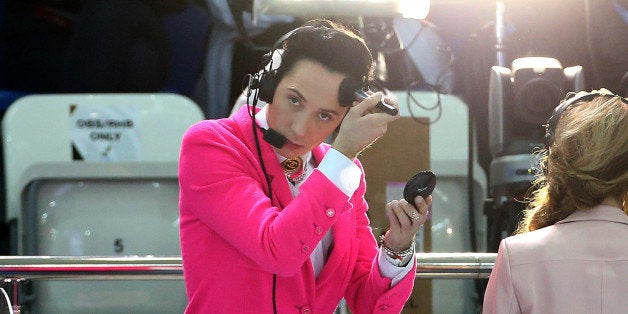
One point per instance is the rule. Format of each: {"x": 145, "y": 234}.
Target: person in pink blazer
{"x": 272, "y": 219}
{"x": 570, "y": 252}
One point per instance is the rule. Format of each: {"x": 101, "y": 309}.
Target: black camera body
{"x": 522, "y": 98}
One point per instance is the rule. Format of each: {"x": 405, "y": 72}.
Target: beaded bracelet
{"x": 397, "y": 255}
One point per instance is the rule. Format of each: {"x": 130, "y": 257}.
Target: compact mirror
{"x": 422, "y": 183}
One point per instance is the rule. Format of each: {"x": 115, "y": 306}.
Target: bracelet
{"x": 400, "y": 255}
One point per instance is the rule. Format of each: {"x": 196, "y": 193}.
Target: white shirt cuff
{"x": 391, "y": 271}
{"x": 341, "y": 171}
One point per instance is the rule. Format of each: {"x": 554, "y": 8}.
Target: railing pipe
{"x": 430, "y": 266}
{"x": 91, "y": 268}
{"x": 14, "y": 270}
{"x": 455, "y": 265}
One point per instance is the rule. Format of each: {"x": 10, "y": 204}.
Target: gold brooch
{"x": 291, "y": 165}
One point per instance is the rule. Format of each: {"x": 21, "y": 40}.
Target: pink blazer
{"x": 234, "y": 238}
{"x": 578, "y": 265}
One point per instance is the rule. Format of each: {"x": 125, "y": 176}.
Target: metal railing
{"x": 91, "y": 268}
{"x": 14, "y": 270}
{"x": 430, "y": 266}
{"x": 455, "y": 265}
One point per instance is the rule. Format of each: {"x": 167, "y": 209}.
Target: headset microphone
{"x": 254, "y": 87}
{"x": 274, "y": 138}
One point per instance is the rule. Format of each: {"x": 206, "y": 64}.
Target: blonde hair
{"x": 587, "y": 162}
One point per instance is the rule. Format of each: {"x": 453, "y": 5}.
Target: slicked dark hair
{"x": 330, "y": 44}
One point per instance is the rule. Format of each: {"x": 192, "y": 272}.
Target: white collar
{"x": 260, "y": 116}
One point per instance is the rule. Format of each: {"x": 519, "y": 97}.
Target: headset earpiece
{"x": 549, "y": 137}
{"x": 266, "y": 60}
{"x": 267, "y": 85}
{"x": 266, "y": 81}
{"x": 570, "y": 100}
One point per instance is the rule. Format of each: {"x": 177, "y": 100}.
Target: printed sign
{"x": 105, "y": 133}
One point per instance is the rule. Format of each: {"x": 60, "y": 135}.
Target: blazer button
{"x": 319, "y": 230}
{"x": 306, "y": 310}
{"x": 305, "y": 248}
{"x": 331, "y": 212}
{"x": 383, "y": 307}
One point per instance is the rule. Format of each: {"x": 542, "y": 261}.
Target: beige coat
{"x": 578, "y": 265}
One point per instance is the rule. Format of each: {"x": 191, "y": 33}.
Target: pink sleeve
{"x": 499, "y": 296}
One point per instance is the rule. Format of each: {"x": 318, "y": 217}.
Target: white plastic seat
{"x": 450, "y": 215}
{"x": 96, "y": 175}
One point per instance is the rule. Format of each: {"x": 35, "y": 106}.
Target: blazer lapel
{"x": 276, "y": 176}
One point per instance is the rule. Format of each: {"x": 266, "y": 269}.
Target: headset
{"x": 571, "y": 99}
{"x": 262, "y": 85}
{"x": 265, "y": 82}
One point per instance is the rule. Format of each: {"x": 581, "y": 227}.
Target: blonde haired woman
{"x": 569, "y": 254}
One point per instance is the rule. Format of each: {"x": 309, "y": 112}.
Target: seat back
{"x": 70, "y": 128}
{"x": 449, "y": 150}
{"x": 96, "y": 175}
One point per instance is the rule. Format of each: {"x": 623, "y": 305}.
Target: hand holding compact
{"x": 408, "y": 215}
{"x": 422, "y": 183}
